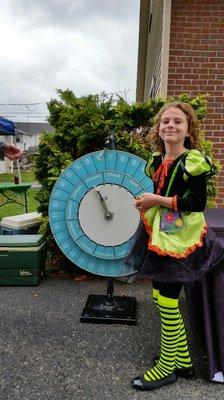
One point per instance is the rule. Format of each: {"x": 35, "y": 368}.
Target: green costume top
{"x": 186, "y": 181}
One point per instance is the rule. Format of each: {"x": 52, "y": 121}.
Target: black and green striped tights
{"x": 174, "y": 357}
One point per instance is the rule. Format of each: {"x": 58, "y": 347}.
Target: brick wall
{"x": 196, "y": 64}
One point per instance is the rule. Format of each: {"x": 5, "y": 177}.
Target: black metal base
{"x": 103, "y": 309}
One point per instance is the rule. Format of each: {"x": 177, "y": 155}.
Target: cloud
{"x": 68, "y": 14}
{"x": 87, "y": 46}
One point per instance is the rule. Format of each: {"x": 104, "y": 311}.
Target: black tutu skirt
{"x": 169, "y": 269}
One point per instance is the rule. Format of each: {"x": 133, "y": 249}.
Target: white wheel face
{"x": 124, "y": 222}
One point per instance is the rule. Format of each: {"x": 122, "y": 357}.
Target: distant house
{"x": 27, "y": 135}
{"x": 181, "y": 51}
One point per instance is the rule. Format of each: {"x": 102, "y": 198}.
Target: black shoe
{"x": 186, "y": 373}
{"x": 140, "y": 383}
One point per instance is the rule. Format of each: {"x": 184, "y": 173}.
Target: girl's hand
{"x": 145, "y": 201}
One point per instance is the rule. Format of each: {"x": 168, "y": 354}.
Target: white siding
{"x": 157, "y": 59}
{"x": 154, "y": 51}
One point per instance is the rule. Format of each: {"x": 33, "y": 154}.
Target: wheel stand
{"x": 109, "y": 309}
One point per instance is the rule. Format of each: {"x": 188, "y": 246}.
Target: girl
{"x": 173, "y": 243}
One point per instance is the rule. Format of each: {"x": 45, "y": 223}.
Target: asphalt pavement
{"x": 48, "y": 354}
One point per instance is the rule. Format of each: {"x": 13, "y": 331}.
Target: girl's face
{"x": 173, "y": 128}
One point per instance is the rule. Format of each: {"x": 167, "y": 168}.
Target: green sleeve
{"x": 149, "y": 169}
{"x": 197, "y": 164}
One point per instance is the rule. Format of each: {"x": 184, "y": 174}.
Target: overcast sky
{"x": 88, "y": 46}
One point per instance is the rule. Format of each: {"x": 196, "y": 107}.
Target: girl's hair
{"x": 191, "y": 142}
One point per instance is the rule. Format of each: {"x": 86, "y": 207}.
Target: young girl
{"x": 173, "y": 248}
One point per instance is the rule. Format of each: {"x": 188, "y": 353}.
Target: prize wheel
{"x": 91, "y": 210}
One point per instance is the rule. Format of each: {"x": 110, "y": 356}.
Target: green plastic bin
{"x": 22, "y": 259}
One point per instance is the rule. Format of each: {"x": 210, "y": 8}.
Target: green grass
{"x": 15, "y": 209}
{"x": 26, "y": 176}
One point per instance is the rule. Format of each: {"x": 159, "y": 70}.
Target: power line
{"x": 29, "y": 116}
{"x": 65, "y": 70}
{"x": 45, "y": 102}
{"x": 23, "y": 104}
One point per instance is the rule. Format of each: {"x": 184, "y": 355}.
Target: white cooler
{"x": 23, "y": 224}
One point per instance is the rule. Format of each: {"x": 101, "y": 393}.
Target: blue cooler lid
{"x": 21, "y": 240}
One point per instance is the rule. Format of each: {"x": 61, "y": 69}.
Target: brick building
{"x": 181, "y": 49}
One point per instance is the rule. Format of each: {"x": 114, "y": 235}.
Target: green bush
{"x": 82, "y": 125}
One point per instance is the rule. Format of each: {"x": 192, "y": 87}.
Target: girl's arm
{"x": 147, "y": 200}
{"x": 195, "y": 201}
{"x": 197, "y": 197}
